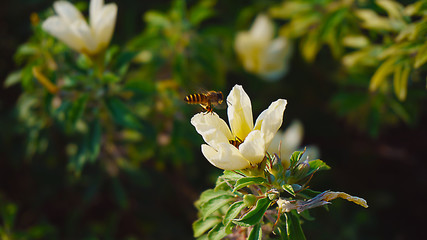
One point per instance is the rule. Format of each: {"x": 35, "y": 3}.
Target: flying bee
{"x": 236, "y": 142}
{"x": 207, "y": 100}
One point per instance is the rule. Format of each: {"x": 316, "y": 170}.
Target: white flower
{"x": 71, "y": 27}
{"x": 260, "y": 53}
{"x": 286, "y": 142}
{"x": 256, "y": 138}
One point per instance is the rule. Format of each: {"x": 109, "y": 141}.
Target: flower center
{"x": 236, "y": 142}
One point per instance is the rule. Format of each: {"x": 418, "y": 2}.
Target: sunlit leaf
{"x": 243, "y": 182}
{"x": 202, "y": 225}
{"x": 13, "y": 79}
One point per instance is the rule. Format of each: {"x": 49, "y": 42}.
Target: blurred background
{"x": 143, "y": 183}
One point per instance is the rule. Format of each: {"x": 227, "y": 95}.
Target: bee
{"x": 236, "y": 142}
{"x": 207, "y": 100}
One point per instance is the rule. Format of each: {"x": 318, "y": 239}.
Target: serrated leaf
{"x": 213, "y": 204}
{"x": 13, "y": 79}
{"x": 255, "y": 215}
{"x": 256, "y": 233}
{"x": 232, "y": 212}
{"x": 293, "y": 226}
{"x": 217, "y": 233}
{"x": 202, "y": 225}
{"x": 288, "y": 188}
{"x": 243, "y": 182}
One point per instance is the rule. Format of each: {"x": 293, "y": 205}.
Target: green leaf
{"x": 400, "y": 82}
{"x": 202, "y": 11}
{"x": 75, "y": 111}
{"x": 317, "y": 165}
{"x": 296, "y": 156}
{"x": 231, "y": 175}
{"x": 243, "y": 182}
{"x": 217, "y": 233}
{"x": 213, "y": 204}
{"x": 13, "y": 79}
{"x": 232, "y": 212}
{"x": 93, "y": 140}
{"x": 202, "y": 225}
{"x": 382, "y": 73}
{"x": 256, "y": 233}
{"x": 255, "y": 215}
{"x": 288, "y": 188}
{"x": 293, "y": 226}
{"x": 124, "y": 117}
{"x": 119, "y": 193}
{"x": 421, "y": 57}
{"x": 210, "y": 193}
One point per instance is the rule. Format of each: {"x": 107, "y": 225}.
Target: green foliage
{"x": 383, "y": 48}
{"x": 254, "y": 203}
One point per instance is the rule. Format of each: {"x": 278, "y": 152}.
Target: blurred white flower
{"x": 286, "y": 142}
{"x": 260, "y": 53}
{"x": 71, "y": 27}
{"x": 255, "y": 139}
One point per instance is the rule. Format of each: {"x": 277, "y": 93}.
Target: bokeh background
{"x": 40, "y": 198}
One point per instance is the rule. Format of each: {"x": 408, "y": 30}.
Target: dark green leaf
{"x": 255, "y": 215}
{"x": 202, "y": 225}
{"x": 256, "y": 233}
{"x": 293, "y": 226}
{"x": 119, "y": 193}
{"x": 243, "y": 182}
{"x": 94, "y": 140}
{"x": 232, "y": 212}
{"x": 124, "y": 117}
{"x": 76, "y": 110}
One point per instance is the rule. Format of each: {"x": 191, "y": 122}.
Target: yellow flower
{"x": 255, "y": 138}
{"x": 70, "y": 26}
{"x": 260, "y": 53}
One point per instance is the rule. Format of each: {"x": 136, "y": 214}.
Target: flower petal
{"x": 82, "y": 29}
{"x": 239, "y": 112}
{"x": 103, "y": 25}
{"x": 262, "y": 29}
{"x": 253, "y": 148}
{"x": 67, "y": 11}
{"x": 213, "y": 129}
{"x": 226, "y": 157}
{"x": 94, "y": 10}
{"x": 270, "y": 120}
{"x": 58, "y": 28}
